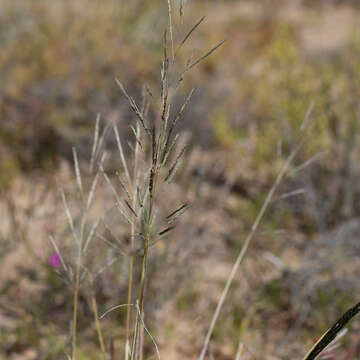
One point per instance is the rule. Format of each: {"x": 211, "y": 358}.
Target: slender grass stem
{"x": 142, "y": 281}
{"x": 245, "y": 247}
{"x": 132, "y": 245}
{"x": 128, "y": 311}
{"x": 152, "y": 191}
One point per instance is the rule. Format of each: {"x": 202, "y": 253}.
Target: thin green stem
{"x": 152, "y": 187}
{"x": 142, "y": 285}
{"x": 132, "y": 245}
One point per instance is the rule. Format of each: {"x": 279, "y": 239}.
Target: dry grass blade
{"x": 167, "y": 148}
{"x": 164, "y": 83}
{"x": 309, "y": 162}
{"x": 111, "y": 186}
{"x": 187, "y": 66}
{"x": 239, "y": 351}
{"x": 101, "y": 143}
{"x": 168, "y": 151}
{"x": 92, "y": 191}
{"x": 331, "y": 334}
{"x": 58, "y": 253}
{"x": 291, "y": 194}
{"x": 107, "y": 312}
{"x": 181, "y": 111}
{"x": 191, "y": 31}
{"x": 122, "y": 183}
{"x": 274, "y": 260}
{"x": 124, "y": 214}
{"x": 307, "y": 116}
{"x": 165, "y": 231}
{"x": 98, "y": 327}
{"x": 112, "y": 245}
{"x": 243, "y": 354}
{"x": 245, "y": 247}
{"x": 171, "y": 28}
{"x": 117, "y": 197}
{"x": 172, "y": 217}
{"x": 140, "y": 197}
{"x": 121, "y": 153}
{"x": 183, "y": 107}
{"x": 95, "y": 142}
{"x": 134, "y": 107}
{"x": 148, "y": 91}
{"x": 130, "y": 145}
{"x": 91, "y": 235}
{"x": 180, "y": 210}
{"x": 94, "y": 184}
{"x": 206, "y": 55}
{"x": 106, "y": 266}
{"x": 69, "y": 217}
{"x": 77, "y": 172}
{"x": 175, "y": 166}
{"x": 130, "y": 208}
{"x": 136, "y": 137}
{"x": 147, "y": 331}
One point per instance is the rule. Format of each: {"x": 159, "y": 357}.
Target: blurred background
{"x": 58, "y": 62}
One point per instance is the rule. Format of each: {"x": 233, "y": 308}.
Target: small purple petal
{"x": 55, "y": 260}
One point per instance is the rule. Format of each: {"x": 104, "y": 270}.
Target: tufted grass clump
{"x": 151, "y": 163}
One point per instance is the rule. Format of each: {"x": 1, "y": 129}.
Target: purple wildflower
{"x": 54, "y": 260}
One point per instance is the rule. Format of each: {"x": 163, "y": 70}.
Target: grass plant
{"x": 155, "y": 163}
{"x": 161, "y": 142}
{"x": 83, "y": 232}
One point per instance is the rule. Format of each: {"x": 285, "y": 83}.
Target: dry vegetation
{"x": 289, "y": 71}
